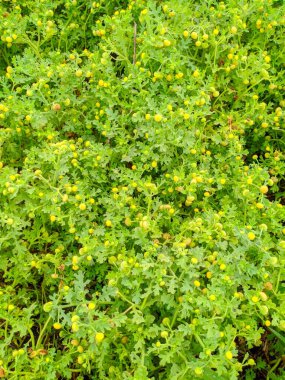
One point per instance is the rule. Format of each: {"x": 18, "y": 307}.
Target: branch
{"x": 135, "y": 44}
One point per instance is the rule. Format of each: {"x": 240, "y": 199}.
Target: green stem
{"x": 144, "y": 301}
{"x": 278, "y": 280}
{"x": 32, "y": 338}
{"x": 32, "y": 46}
{"x": 40, "y": 338}
{"x": 125, "y": 299}
{"x": 182, "y": 357}
{"x": 273, "y": 369}
{"x": 197, "y": 337}
{"x": 174, "y": 318}
{"x": 6, "y": 329}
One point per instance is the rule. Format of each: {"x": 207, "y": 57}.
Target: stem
{"x": 199, "y": 340}
{"x": 273, "y": 369}
{"x": 174, "y": 318}
{"x": 278, "y": 280}
{"x": 32, "y": 338}
{"x": 40, "y": 338}
{"x": 33, "y": 46}
{"x": 127, "y": 310}
{"x": 149, "y": 205}
{"x": 135, "y": 44}
{"x": 183, "y": 373}
{"x": 144, "y": 301}
{"x": 125, "y": 299}
{"x": 6, "y": 328}
{"x": 182, "y": 357}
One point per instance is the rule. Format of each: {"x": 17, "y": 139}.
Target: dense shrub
{"x": 142, "y": 189}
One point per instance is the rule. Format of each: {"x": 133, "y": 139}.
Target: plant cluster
{"x": 142, "y": 189}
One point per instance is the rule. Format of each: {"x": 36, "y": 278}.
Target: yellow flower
{"x": 196, "y": 74}
{"x": 99, "y": 337}
{"x": 74, "y": 327}
{"x": 57, "y": 325}
{"x": 264, "y": 189}
{"x": 157, "y": 118}
{"x": 82, "y": 206}
{"x": 198, "y": 371}
{"x": 91, "y": 306}
{"x": 166, "y": 43}
{"x": 229, "y": 355}
{"x": 154, "y": 164}
{"x": 164, "y": 334}
{"x": 251, "y": 236}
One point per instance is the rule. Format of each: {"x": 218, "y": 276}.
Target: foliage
{"x": 142, "y": 189}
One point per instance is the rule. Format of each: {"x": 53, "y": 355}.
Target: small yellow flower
{"x": 267, "y": 59}
{"x": 91, "y": 306}
{"x": 158, "y": 118}
{"x": 166, "y": 43}
{"x": 164, "y": 334}
{"x": 144, "y": 11}
{"x": 251, "y": 236}
{"x": 99, "y": 337}
{"x": 264, "y": 189}
{"x": 154, "y": 164}
{"x": 209, "y": 275}
{"x": 198, "y": 371}
{"x": 196, "y": 74}
{"x": 229, "y": 355}
{"x": 57, "y": 325}
{"x": 74, "y": 327}
{"x": 82, "y": 206}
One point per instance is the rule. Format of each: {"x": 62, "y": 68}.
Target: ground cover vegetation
{"x": 142, "y": 189}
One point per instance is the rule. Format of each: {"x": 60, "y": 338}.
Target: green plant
{"x": 142, "y": 190}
